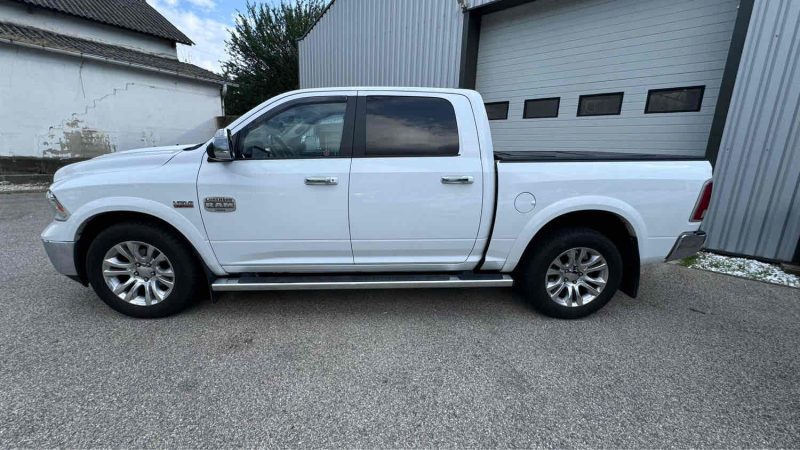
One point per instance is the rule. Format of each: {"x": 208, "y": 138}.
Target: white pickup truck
{"x": 355, "y": 188}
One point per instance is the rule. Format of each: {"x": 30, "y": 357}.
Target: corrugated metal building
{"x": 756, "y": 204}
{"x": 688, "y": 77}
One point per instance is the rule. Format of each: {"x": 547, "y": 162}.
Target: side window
{"x": 600, "y": 104}
{"x": 541, "y": 108}
{"x": 307, "y": 130}
{"x": 683, "y": 99}
{"x": 410, "y": 126}
{"x": 497, "y": 110}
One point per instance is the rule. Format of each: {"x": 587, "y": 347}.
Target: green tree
{"x": 262, "y": 51}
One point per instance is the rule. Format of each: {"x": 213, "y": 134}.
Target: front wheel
{"x": 571, "y": 273}
{"x": 142, "y": 270}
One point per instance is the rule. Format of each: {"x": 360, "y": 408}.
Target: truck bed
{"x": 654, "y": 198}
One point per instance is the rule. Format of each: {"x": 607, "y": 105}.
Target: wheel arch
{"x": 93, "y": 225}
{"x": 619, "y": 229}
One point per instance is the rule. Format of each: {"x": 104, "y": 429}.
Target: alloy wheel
{"x": 138, "y": 273}
{"x": 576, "y": 277}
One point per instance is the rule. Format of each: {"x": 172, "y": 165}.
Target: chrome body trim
{"x": 687, "y": 244}
{"x": 457, "y": 180}
{"x": 62, "y": 256}
{"x": 379, "y": 282}
{"x": 322, "y": 181}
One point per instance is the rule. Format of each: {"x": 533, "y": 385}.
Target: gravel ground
{"x": 698, "y": 360}
{"x": 741, "y": 267}
{"x": 6, "y": 187}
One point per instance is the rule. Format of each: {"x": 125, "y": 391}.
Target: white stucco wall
{"x": 75, "y": 26}
{"x": 61, "y": 106}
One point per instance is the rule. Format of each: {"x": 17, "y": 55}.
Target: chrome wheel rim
{"x": 576, "y": 277}
{"x": 138, "y": 273}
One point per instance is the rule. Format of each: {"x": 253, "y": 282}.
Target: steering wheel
{"x": 248, "y": 152}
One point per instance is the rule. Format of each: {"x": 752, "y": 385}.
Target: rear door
{"x": 416, "y": 180}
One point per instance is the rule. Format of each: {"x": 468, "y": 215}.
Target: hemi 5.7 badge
{"x": 219, "y": 204}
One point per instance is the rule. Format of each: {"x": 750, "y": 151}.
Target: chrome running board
{"x": 402, "y": 281}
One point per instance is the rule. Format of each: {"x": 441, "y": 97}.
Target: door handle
{"x": 464, "y": 179}
{"x": 318, "y": 181}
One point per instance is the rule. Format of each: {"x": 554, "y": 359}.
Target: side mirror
{"x": 220, "y": 148}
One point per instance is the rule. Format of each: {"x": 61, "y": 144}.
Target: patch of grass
{"x": 688, "y": 261}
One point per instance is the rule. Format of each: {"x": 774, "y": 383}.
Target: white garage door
{"x": 588, "y": 67}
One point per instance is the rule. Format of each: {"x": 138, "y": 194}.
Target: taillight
{"x": 702, "y": 203}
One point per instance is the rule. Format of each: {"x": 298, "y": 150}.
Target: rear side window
{"x": 410, "y": 126}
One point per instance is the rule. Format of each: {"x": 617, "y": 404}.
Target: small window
{"x": 541, "y": 108}
{"x": 600, "y": 104}
{"x": 410, "y": 126}
{"x": 497, "y": 110}
{"x": 684, "y": 99}
{"x": 310, "y": 130}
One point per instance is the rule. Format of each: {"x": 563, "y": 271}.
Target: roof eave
{"x": 113, "y": 61}
{"x": 182, "y": 39}
{"x": 316, "y": 21}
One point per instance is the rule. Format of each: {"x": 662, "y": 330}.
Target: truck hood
{"x": 136, "y": 159}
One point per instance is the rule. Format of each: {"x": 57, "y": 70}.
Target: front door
{"x": 282, "y": 204}
{"x": 416, "y": 181}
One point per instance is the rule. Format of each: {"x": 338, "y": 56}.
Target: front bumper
{"x": 62, "y": 255}
{"x": 687, "y": 244}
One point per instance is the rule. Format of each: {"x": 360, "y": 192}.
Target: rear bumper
{"x": 62, "y": 256}
{"x": 687, "y": 244}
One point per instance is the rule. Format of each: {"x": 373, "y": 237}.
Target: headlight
{"x": 60, "y": 212}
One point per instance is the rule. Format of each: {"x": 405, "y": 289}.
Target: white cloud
{"x": 205, "y": 4}
{"x": 208, "y": 34}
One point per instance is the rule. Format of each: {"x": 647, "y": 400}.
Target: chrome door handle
{"x": 314, "y": 181}
{"x": 457, "y": 180}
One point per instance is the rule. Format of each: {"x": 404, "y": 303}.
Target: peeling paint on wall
{"x": 149, "y": 138}
{"x": 75, "y": 140}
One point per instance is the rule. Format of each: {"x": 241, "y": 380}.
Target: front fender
{"x": 70, "y": 230}
{"x": 569, "y": 205}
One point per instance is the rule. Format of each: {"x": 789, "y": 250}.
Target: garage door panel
{"x": 566, "y": 49}
{"x": 578, "y": 25}
{"x": 625, "y": 59}
{"x": 629, "y": 71}
{"x": 601, "y": 84}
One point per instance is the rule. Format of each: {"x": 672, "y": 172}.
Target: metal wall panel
{"x": 476, "y": 3}
{"x": 755, "y": 208}
{"x": 384, "y": 43}
{"x": 556, "y": 48}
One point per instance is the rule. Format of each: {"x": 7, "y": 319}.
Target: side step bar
{"x": 291, "y": 283}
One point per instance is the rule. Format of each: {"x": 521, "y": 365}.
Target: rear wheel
{"x": 571, "y": 273}
{"x": 142, "y": 270}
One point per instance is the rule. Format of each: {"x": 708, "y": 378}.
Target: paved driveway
{"x": 698, "y": 360}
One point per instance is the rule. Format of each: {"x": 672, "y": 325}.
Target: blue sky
{"x": 206, "y": 23}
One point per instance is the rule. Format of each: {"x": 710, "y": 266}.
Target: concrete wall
{"x": 755, "y": 208}
{"x": 384, "y": 43}
{"x": 63, "y": 106}
{"x": 17, "y": 13}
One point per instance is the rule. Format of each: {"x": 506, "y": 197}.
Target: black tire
{"x": 187, "y": 273}
{"x": 533, "y": 274}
